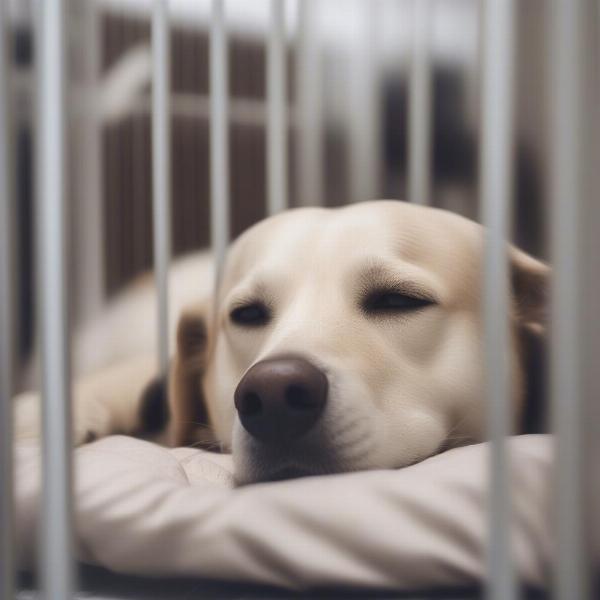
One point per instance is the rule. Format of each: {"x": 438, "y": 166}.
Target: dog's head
{"x": 348, "y": 339}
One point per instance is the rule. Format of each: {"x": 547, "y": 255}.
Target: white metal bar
{"x": 496, "y": 187}
{"x": 592, "y": 294}
{"x": 7, "y": 561}
{"x": 420, "y": 106}
{"x": 57, "y": 532}
{"x": 219, "y": 135}
{"x": 161, "y": 171}
{"x": 363, "y": 105}
{"x": 308, "y": 90}
{"x": 574, "y": 204}
{"x": 88, "y": 228}
{"x": 277, "y": 111}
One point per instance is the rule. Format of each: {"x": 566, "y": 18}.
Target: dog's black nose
{"x": 280, "y": 399}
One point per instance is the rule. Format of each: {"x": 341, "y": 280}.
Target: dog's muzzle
{"x": 280, "y": 399}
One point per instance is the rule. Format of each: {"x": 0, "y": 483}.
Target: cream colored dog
{"x": 344, "y": 339}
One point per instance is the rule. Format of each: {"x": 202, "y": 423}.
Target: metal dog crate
{"x": 286, "y": 101}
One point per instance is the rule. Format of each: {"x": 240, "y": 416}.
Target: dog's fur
{"x": 403, "y": 383}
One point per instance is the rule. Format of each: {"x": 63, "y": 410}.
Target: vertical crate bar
{"x": 363, "y": 107}
{"x": 161, "y": 172}
{"x": 496, "y": 197}
{"x": 89, "y": 231}
{"x": 420, "y": 106}
{"x": 219, "y": 135}
{"x": 7, "y": 562}
{"x": 574, "y": 55}
{"x": 277, "y": 111}
{"x": 308, "y": 89}
{"x": 57, "y": 565}
{"x": 592, "y": 293}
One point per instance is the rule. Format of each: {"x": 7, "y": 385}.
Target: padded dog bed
{"x": 144, "y": 509}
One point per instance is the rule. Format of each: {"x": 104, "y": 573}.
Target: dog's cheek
{"x": 413, "y": 434}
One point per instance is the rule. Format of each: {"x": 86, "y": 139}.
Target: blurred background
{"x": 361, "y": 56}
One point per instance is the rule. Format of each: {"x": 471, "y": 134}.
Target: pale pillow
{"x": 148, "y": 510}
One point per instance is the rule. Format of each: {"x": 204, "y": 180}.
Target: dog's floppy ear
{"x": 530, "y": 285}
{"x": 189, "y": 415}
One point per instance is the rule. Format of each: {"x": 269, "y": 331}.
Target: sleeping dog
{"x": 341, "y": 339}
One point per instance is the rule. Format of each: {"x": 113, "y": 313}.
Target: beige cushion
{"x": 145, "y": 509}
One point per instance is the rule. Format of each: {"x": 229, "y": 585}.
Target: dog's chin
{"x": 321, "y": 451}
{"x": 289, "y": 473}
{"x": 256, "y": 463}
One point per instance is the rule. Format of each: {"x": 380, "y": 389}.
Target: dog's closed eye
{"x": 393, "y": 301}
{"x": 251, "y": 314}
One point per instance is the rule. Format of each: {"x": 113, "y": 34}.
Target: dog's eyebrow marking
{"x": 247, "y": 292}
{"x": 375, "y": 273}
